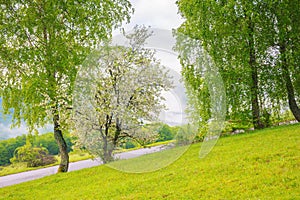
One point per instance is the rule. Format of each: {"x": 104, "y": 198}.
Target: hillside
{"x": 257, "y": 165}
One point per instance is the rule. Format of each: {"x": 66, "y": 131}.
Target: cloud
{"x": 162, "y": 14}
{"x": 7, "y": 132}
{"x": 155, "y": 13}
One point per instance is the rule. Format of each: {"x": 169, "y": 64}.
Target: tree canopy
{"x": 118, "y": 93}
{"x": 42, "y": 45}
{"x": 243, "y": 39}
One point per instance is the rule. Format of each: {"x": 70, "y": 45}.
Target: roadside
{"x": 75, "y": 156}
{"x": 39, "y": 173}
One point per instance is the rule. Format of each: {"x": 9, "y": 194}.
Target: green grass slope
{"x": 259, "y": 165}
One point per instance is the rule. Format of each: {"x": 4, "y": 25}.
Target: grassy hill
{"x": 258, "y": 165}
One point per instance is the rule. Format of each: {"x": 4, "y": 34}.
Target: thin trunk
{"x": 107, "y": 146}
{"x": 64, "y": 163}
{"x": 117, "y": 132}
{"x": 288, "y": 84}
{"x": 254, "y": 81}
{"x": 105, "y": 150}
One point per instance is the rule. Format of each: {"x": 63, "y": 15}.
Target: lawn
{"x": 22, "y": 167}
{"x": 74, "y": 156}
{"x": 257, "y": 165}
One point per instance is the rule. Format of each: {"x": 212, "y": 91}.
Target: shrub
{"x": 165, "y": 133}
{"x": 185, "y": 135}
{"x": 33, "y": 156}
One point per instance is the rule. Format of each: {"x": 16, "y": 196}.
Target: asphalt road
{"x": 39, "y": 173}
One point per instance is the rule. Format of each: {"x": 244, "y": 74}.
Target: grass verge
{"x": 21, "y": 167}
{"x": 258, "y": 165}
{"x": 74, "y": 157}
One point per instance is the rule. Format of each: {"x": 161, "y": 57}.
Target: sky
{"x": 159, "y": 14}
{"x": 163, "y": 15}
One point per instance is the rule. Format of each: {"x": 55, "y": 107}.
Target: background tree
{"x": 32, "y": 156}
{"x": 286, "y": 38}
{"x": 8, "y": 146}
{"x": 118, "y": 93}
{"x": 239, "y": 36}
{"x": 42, "y": 43}
{"x": 165, "y": 133}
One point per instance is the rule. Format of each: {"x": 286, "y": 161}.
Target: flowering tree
{"x": 118, "y": 92}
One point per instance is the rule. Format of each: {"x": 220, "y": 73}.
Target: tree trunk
{"x": 107, "y": 151}
{"x": 64, "y": 163}
{"x": 254, "y": 81}
{"x": 288, "y": 84}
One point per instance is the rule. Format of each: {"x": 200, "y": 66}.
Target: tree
{"x": 165, "y": 133}
{"x": 118, "y": 93}
{"x": 8, "y": 148}
{"x": 285, "y": 15}
{"x": 239, "y": 36}
{"x": 42, "y": 45}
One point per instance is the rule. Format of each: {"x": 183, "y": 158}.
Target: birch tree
{"x": 239, "y": 36}
{"x": 42, "y": 43}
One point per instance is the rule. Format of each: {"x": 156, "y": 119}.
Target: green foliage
{"x": 4, "y": 155}
{"x": 42, "y": 44}
{"x": 260, "y": 165}
{"x": 165, "y": 133}
{"x": 297, "y": 83}
{"x": 185, "y": 135}
{"x": 8, "y": 147}
{"x": 232, "y": 126}
{"x": 130, "y": 144}
{"x": 47, "y": 140}
{"x": 32, "y": 156}
{"x": 247, "y": 40}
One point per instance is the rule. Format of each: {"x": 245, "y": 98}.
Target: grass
{"x": 21, "y": 167}
{"x": 258, "y": 165}
{"x": 74, "y": 156}
{"x": 146, "y": 146}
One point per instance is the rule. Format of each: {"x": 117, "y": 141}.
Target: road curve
{"x": 39, "y": 173}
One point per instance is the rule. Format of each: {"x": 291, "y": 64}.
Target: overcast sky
{"x": 162, "y": 14}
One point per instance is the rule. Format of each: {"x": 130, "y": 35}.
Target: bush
{"x": 33, "y": 156}
{"x": 165, "y": 133}
{"x": 185, "y": 135}
{"x": 129, "y": 144}
{"x": 9, "y": 146}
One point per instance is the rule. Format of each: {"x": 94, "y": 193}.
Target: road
{"x": 39, "y": 173}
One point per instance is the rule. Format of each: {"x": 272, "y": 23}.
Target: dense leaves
{"x": 8, "y": 147}
{"x": 42, "y": 43}
{"x": 255, "y": 46}
{"x": 32, "y": 156}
